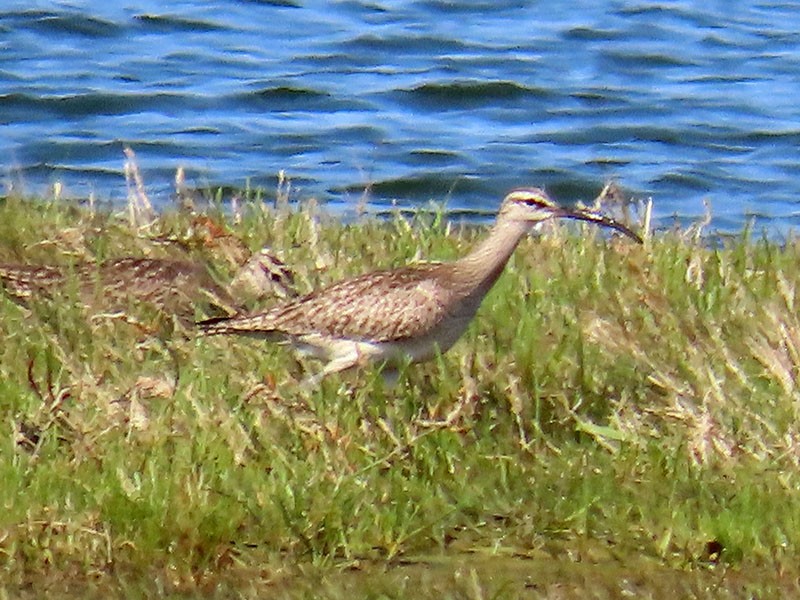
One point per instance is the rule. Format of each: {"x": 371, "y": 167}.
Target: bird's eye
{"x": 536, "y": 201}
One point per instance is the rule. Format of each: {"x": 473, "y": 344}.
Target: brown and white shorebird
{"x": 175, "y": 287}
{"x": 409, "y": 313}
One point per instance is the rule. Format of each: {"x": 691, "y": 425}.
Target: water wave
{"x": 410, "y": 101}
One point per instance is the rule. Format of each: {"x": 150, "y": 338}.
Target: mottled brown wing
{"x": 26, "y": 282}
{"x": 117, "y": 284}
{"x": 168, "y": 284}
{"x": 380, "y": 306}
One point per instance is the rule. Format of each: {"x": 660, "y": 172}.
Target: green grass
{"x": 616, "y": 416}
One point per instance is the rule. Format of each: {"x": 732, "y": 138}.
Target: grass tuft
{"x": 617, "y": 414}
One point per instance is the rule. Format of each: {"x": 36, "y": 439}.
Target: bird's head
{"x": 262, "y": 276}
{"x": 534, "y": 206}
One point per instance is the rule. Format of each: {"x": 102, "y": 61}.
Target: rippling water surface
{"x": 411, "y": 100}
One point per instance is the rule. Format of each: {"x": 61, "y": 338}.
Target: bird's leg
{"x": 390, "y": 376}
{"x": 344, "y": 355}
{"x": 310, "y": 383}
{"x": 335, "y": 365}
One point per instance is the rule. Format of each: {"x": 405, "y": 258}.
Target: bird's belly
{"x": 437, "y": 341}
{"x": 415, "y": 349}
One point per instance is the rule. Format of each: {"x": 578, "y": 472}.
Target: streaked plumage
{"x": 406, "y": 313}
{"x": 173, "y": 286}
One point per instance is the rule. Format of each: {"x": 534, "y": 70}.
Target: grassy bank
{"x": 619, "y": 418}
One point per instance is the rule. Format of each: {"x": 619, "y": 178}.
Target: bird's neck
{"x": 480, "y": 268}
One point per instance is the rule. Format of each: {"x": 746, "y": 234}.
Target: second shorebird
{"x": 409, "y": 313}
{"x": 173, "y": 287}
{"x": 116, "y": 284}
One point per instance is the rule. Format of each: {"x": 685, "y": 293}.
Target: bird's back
{"x": 381, "y": 306}
{"x": 172, "y": 286}
{"x": 25, "y": 282}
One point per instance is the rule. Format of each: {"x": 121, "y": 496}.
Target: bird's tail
{"x": 214, "y": 326}
{"x": 242, "y": 325}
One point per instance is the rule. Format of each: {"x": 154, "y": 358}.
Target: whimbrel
{"x": 175, "y": 287}
{"x": 409, "y": 313}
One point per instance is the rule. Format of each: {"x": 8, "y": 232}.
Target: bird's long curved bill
{"x": 599, "y": 219}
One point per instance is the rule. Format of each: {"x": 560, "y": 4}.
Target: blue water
{"x": 408, "y": 101}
